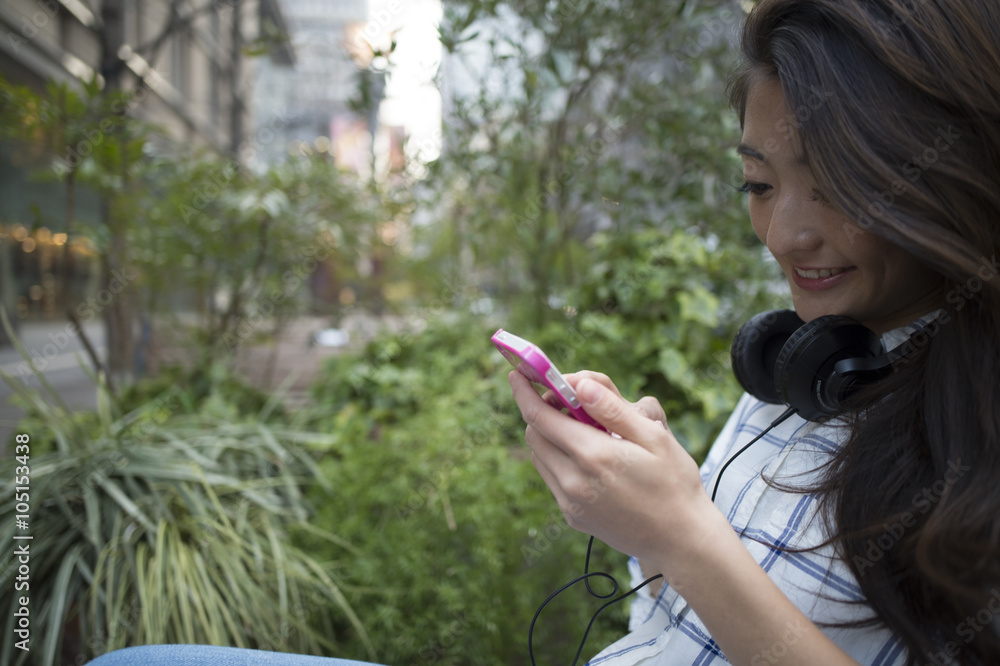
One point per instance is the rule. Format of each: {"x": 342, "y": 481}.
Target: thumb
{"x": 614, "y": 412}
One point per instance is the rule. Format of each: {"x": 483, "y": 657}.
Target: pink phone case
{"x": 532, "y": 362}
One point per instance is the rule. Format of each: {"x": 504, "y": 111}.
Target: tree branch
{"x": 151, "y": 49}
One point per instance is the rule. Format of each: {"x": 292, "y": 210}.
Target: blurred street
{"x": 61, "y": 359}
{"x": 292, "y": 362}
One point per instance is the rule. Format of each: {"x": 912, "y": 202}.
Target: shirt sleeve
{"x": 643, "y": 603}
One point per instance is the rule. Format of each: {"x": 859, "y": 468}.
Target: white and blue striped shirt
{"x": 665, "y": 631}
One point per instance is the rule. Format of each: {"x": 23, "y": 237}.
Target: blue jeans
{"x": 207, "y": 655}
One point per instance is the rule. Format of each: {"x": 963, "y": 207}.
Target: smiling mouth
{"x": 817, "y": 273}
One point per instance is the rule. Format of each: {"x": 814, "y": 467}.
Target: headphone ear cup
{"x": 804, "y": 370}
{"x": 757, "y": 346}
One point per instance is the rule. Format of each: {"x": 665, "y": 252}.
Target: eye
{"x": 755, "y": 189}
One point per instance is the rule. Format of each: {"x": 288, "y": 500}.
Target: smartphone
{"x": 532, "y": 362}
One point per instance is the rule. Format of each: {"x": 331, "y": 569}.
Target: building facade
{"x": 185, "y": 68}
{"x": 314, "y": 98}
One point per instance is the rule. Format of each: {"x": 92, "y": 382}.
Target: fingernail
{"x": 588, "y": 391}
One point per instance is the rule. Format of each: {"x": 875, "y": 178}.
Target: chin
{"x": 809, "y": 311}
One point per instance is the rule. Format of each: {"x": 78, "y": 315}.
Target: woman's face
{"x": 831, "y": 264}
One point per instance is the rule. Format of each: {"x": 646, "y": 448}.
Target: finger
{"x": 544, "y": 471}
{"x": 575, "y": 378}
{"x": 557, "y": 428}
{"x": 650, "y": 408}
{"x": 647, "y": 406}
{"x": 552, "y": 463}
{"x": 534, "y": 409}
{"x": 616, "y": 414}
{"x": 553, "y": 399}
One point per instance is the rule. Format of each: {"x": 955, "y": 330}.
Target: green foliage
{"x": 206, "y": 388}
{"x": 190, "y": 226}
{"x": 458, "y": 539}
{"x": 247, "y": 244}
{"x": 587, "y": 192}
{"x": 657, "y": 313}
{"x": 589, "y": 116}
{"x": 159, "y": 526}
{"x": 254, "y": 238}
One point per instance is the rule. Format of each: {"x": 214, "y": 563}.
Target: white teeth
{"x": 821, "y": 273}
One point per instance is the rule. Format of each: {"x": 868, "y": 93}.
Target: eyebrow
{"x": 744, "y": 149}
{"x": 753, "y": 153}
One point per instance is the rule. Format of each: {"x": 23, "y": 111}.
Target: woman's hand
{"x": 641, "y": 493}
{"x": 638, "y": 490}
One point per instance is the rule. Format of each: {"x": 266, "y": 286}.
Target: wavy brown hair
{"x": 907, "y": 144}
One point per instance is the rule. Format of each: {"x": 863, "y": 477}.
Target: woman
{"x": 871, "y": 154}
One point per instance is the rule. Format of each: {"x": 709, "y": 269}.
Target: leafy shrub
{"x": 657, "y": 312}
{"x": 459, "y": 540}
{"x": 159, "y": 526}
{"x": 200, "y": 389}
{"x": 193, "y": 387}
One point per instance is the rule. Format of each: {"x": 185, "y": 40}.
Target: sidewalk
{"x": 57, "y": 352}
{"x": 292, "y": 358}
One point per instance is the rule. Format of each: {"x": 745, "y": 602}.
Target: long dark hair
{"x": 900, "y": 124}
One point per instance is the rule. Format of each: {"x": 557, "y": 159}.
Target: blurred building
{"x": 331, "y": 99}
{"x": 185, "y": 63}
{"x": 314, "y": 97}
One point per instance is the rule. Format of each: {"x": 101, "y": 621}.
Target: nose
{"x": 792, "y": 226}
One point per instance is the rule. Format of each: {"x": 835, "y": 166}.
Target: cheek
{"x": 878, "y": 255}
{"x": 760, "y": 218}
{"x": 899, "y": 275}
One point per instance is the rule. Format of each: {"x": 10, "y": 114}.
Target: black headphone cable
{"x": 775, "y": 423}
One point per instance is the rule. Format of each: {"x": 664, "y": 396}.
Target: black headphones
{"x": 811, "y": 367}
